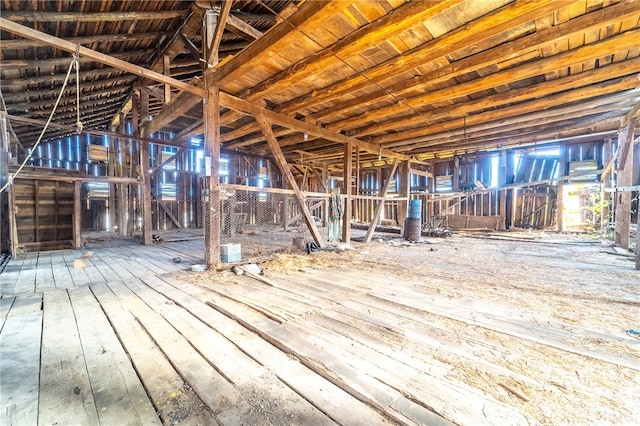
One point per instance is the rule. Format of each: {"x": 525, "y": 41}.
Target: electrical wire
{"x": 75, "y": 63}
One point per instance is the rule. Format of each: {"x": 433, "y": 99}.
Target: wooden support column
{"x": 562, "y": 171}
{"x": 456, "y": 174}
{"x": 356, "y": 186}
{"x": 404, "y": 176}
{"x": 347, "y": 175}
{"x": 111, "y": 172}
{"x": 145, "y": 173}
{"x": 211, "y": 187}
{"x": 431, "y": 208}
{"x": 77, "y": 215}
{"x": 503, "y": 193}
{"x": 288, "y": 176}
{"x": 380, "y": 206}
{"x": 134, "y": 162}
{"x": 625, "y": 178}
{"x": 605, "y": 197}
{"x": 5, "y": 199}
{"x": 147, "y": 218}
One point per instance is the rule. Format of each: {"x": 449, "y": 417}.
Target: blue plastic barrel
{"x": 415, "y": 209}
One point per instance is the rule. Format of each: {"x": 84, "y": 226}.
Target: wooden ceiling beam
{"x": 500, "y": 54}
{"x": 178, "y": 107}
{"x": 65, "y": 61}
{"x": 41, "y": 123}
{"x": 32, "y": 34}
{"x": 39, "y": 16}
{"x": 492, "y": 24}
{"x": 619, "y": 43}
{"x": 246, "y": 107}
{"x": 238, "y": 26}
{"x": 102, "y": 38}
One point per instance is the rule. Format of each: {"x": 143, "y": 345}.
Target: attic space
{"x": 318, "y": 212}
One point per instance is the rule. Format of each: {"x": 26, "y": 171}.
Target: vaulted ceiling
{"x": 423, "y": 79}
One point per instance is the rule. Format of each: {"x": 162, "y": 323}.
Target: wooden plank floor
{"x": 125, "y": 336}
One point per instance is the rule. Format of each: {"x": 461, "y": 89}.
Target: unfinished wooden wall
{"x": 43, "y": 213}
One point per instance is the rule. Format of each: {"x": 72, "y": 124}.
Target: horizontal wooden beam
{"x": 102, "y": 38}
{"x": 243, "y": 27}
{"x": 42, "y": 123}
{"x": 243, "y": 106}
{"x": 59, "y": 43}
{"x": 39, "y": 16}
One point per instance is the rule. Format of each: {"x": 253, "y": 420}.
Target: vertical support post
{"x": 625, "y": 178}
{"x": 431, "y": 208}
{"x": 211, "y": 191}
{"x": 6, "y": 212}
{"x": 606, "y": 183}
{"x": 356, "y": 186}
{"x": 456, "y": 174}
{"x": 147, "y": 221}
{"x": 77, "y": 215}
{"x": 562, "y": 171}
{"x": 166, "y": 69}
{"x": 502, "y": 182}
{"x": 134, "y": 162}
{"x": 404, "y": 176}
{"x": 347, "y": 175}
{"x": 111, "y": 172}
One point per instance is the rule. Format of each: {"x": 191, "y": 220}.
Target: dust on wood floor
{"x": 539, "y": 325}
{"x": 455, "y": 330}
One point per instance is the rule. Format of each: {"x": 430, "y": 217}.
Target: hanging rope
{"x": 75, "y": 63}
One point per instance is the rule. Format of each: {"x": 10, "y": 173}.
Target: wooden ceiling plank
{"x": 507, "y": 17}
{"x": 501, "y": 53}
{"x": 608, "y": 104}
{"x": 614, "y": 77}
{"x": 31, "y": 94}
{"x": 32, "y": 34}
{"x": 617, "y": 43}
{"x": 40, "y": 16}
{"x": 387, "y": 26}
{"x": 242, "y": 62}
{"x": 519, "y": 136}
